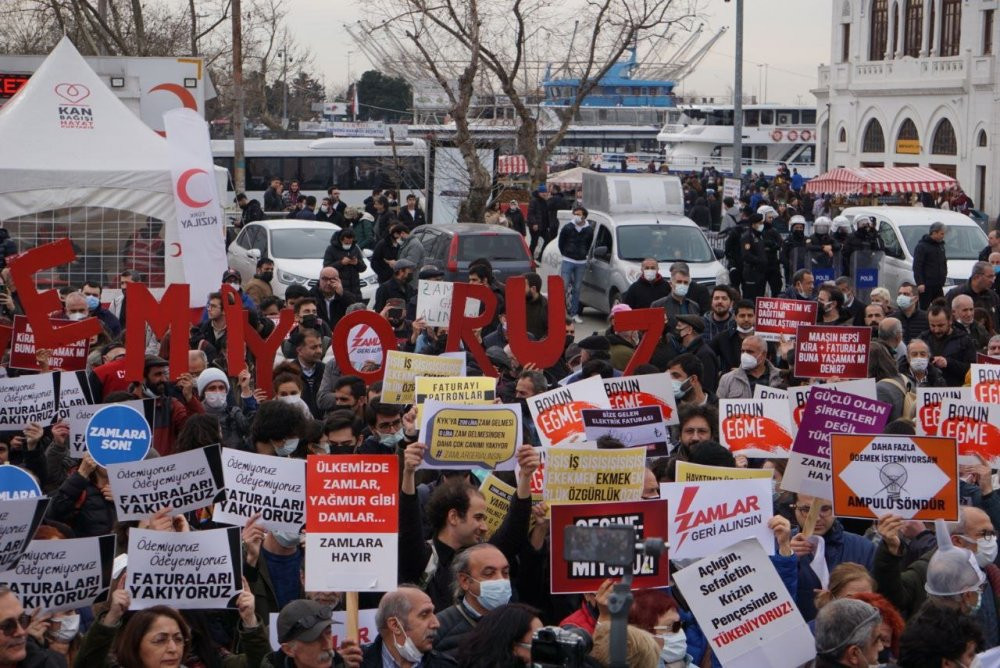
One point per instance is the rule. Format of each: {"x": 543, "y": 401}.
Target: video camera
{"x": 564, "y": 647}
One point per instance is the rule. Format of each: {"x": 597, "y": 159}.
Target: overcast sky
{"x": 793, "y": 37}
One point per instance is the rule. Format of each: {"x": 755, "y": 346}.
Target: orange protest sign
{"x": 915, "y": 477}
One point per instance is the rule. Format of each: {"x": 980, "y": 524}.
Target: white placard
{"x": 182, "y": 482}
{"x": 266, "y": 484}
{"x": 705, "y": 517}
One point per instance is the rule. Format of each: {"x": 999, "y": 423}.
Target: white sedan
{"x": 296, "y": 247}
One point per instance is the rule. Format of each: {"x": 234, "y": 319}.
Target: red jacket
{"x": 582, "y": 618}
{"x": 111, "y": 376}
{"x": 170, "y": 416}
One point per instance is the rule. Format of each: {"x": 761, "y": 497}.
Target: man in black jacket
{"x": 273, "y": 198}
{"x": 386, "y": 252}
{"x": 930, "y": 265}
{"x": 331, "y": 298}
{"x": 412, "y": 215}
{"x": 407, "y": 627}
{"x": 538, "y": 218}
{"x": 910, "y": 315}
{"x": 952, "y": 350}
{"x": 515, "y": 217}
{"x": 649, "y": 287}
{"x": 484, "y": 584}
{"x": 251, "y": 209}
{"x": 574, "y": 245}
{"x": 345, "y": 255}
{"x": 400, "y": 286}
{"x": 754, "y": 256}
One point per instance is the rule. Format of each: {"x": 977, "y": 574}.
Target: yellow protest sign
{"x": 402, "y": 370}
{"x": 470, "y": 390}
{"x": 459, "y": 436}
{"x": 688, "y": 472}
{"x": 573, "y": 475}
{"x": 497, "y": 494}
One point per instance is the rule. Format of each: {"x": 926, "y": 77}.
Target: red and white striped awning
{"x": 880, "y": 180}
{"x": 512, "y": 164}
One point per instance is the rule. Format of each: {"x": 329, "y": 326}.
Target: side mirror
{"x": 254, "y": 253}
{"x": 602, "y": 253}
{"x": 719, "y": 253}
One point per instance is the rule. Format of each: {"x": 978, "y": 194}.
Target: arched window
{"x": 944, "y": 142}
{"x": 908, "y": 130}
{"x": 981, "y": 138}
{"x": 879, "y": 30}
{"x": 951, "y": 27}
{"x": 842, "y": 136}
{"x": 914, "y": 25}
{"x": 874, "y": 140}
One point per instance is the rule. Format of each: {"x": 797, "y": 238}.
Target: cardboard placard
{"x": 915, "y": 477}
{"x": 497, "y": 495}
{"x": 182, "y": 482}
{"x": 460, "y": 436}
{"x": 74, "y": 391}
{"x": 26, "y": 399}
{"x": 352, "y": 522}
{"x": 828, "y": 412}
{"x": 364, "y": 345}
{"x": 688, "y": 472}
{"x": 272, "y": 486}
{"x": 756, "y": 427}
{"x": 20, "y": 519}
{"x": 975, "y": 427}
{"x": 654, "y": 389}
{"x": 434, "y": 303}
{"x": 986, "y": 359}
{"x": 117, "y": 433}
{"x": 765, "y": 392}
{"x": 929, "y": 399}
{"x": 777, "y": 317}
{"x": 190, "y": 570}
{"x": 575, "y": 577}
{"x": 985, "y": 383}
{"x": 70, "y": 357}
{"x": 594, "y": 476}
{"x": 798, "y": 395}
{"x": 59, "y": 575}
{"x": 634, "y": 427}
{"x": 471, "y": 390}
{"x": 745, "y": 609}
{"x": 402, "y": 370}
{"x": 707, "y": 516}
{"x": 79, "y": 416}
{"x": 832, "y": 352}
{"x": 557, "y": 413}
{"x": 16, "y": 483}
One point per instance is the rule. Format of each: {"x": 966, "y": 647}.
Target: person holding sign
{"x": 17, "y": 648}
{"x": 84, "y": 501}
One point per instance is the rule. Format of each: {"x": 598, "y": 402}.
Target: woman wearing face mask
{"x": 234, "y": 421}
{"x": 655, "y": 611}
{"x": 501, "y": 639}
{"x": 288, "y": 388}
{"x": 277, "y": 429}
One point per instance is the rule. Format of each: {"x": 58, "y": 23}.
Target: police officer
{"x": 772, "y": 248}
{"x": 864, "y": 238}
{"x": 753, "y": 253}
{"x": 793, "y": 248}
{"x": 823, "y": 248}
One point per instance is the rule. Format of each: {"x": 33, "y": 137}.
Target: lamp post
{"x": 285, "y": 58}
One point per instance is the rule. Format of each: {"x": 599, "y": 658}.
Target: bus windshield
{"x": 665, "y": 243}
{"x": 300, "y": 243}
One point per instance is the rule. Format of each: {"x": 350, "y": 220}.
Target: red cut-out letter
{"x": 546, "y": 352}
{"x": 341, "y": 334}
{"x": 38, "y": 305}
{"x": 460, "y": 327}
{"x": 170, "y": 313}
{"x": 241, "y": 336}
{"x": 5, "y": 333}
{"x": 648, "y": 320}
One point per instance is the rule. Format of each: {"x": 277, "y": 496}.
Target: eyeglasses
{"x": 342, "y": 444}
{"x": 8, "y": 627}
{"x": 163, "y": 639}
{"x": 395, "y": 424}
{"x": 985, "y": 533}
{"x": 823, "y": 510}
{"x": 674, "y": 627}
{"x": 324, "y": 614}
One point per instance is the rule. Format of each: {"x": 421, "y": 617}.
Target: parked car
{"x": 296, "y": 247}
{"x": 452, "y": 247}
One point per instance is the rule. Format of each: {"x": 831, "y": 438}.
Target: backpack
{"x": 909, "y": 399}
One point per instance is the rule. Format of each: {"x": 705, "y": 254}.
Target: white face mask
{"x": 287, "y": 448}
{"x": 346, "y": 246}
{"x": 674, "y": 646}
{"x": 76, "y": 316}
{"x": 986, "y": 551}
{"x": 578, "y": 221}
{"x": 408, "y": 650}
{"x": 69, "y": 627}
{"x": 681, "y": 289}
{"x": 919, "y": 364}
{"x": 745, "y": 330}
{"x": 649, "y": 274}
{"x": 747, "y": 361}
{"x": 215, "y": 399}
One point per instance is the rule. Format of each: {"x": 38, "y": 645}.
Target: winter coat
{"x": 914, "y": 324}
{"x": 273, "y": 200}
{"x": 735, "y": 384}
{"x": 516, "y": 219}
{"x": 384, "y": 250}
{"x": 364, "y": 233}
{"x": 455, "y": 622}
{"x": 79, "y": 503}
{"x": 574, "y": 243}
{"x": 372, "y": 657}
{"x": 930, "y": 263}
{"x": 252, "y": 212}
{"x": 332, "y": 314}
{"x": 643, "y": 293}
{"x": 412, "y": 220}
{"x": 839, "y": 546}
{"x": 960, "y": 351}
{"x": 350, "y": 274}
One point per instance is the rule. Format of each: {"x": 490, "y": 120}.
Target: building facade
{"x": 914, "y": 83}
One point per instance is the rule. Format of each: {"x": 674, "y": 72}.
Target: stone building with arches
{"x": 914, "y": 83}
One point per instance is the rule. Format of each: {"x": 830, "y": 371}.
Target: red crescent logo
{"x": 182, "y": 94}
{"x": 182, "y": 192}
{"x": 178, "y": 247}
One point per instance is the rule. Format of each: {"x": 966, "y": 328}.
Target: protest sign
{"x": 497, "y": 495}
{"x": 797, "y": 395}
{"x": 189, "y": 570}
{"x": 16, "y": 483}
{"x": 929, "y": 399}
{"x": 765, "y": 392}
{"x": 832, "y": 352}
{"x": 367, "y": 629}
{"x": 642, "y": 426}
{"x": 402, "y": 370}
{"x": 828, "y": 412}
{"x": 182, "y": 482}
{"x": 26, "y": 399}
{"x": 434, "y": 303}
{"x": 78, "y": 417}
{"x": 654, "y": 389}
{"x": 915, "y": 477}
{"x": 460, "y": 436}
{"x": 73, "y": 389}
{"x": 117, "y": 434}
{"x": 584, "y": 577}
{"x": 705, "y": 517}
{"x": 756, "y": 427}
{"x": 975, "y": 427}
{"x": 745, "y": 609}
{"x": 985, "y": 383}
{"x": 275, "y": 487}
{"x": 352, "y": 520}
{"x": 59, "y": 575}
{"x": 731, "y": 188}
{"x": 470, "y": 390}
{"x": 557, "y": 413}
{"x": 688, "y": 472}
{"x": 19, "y": 519}
{"x": 364, "y": 345}
{"x": 778, "y": 318}
{"x": 590, "y": 476}
{"x": 986, "y": 359}
{"x": 71, "y": 357}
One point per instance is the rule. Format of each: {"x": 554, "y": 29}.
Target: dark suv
{"x": 452, "y": 247}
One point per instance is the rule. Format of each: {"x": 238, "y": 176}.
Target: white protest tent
{"x": 77, "y": 162}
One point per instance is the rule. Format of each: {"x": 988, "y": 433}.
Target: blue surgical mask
{"x": 674, "y": 647}
{"x": 681, "y": 289}
{"x": 93, "y": 302}
{"x": 493, "y": 593}
{"x": 286, "y": 538}
{"x": 996, "y": 269}
{"x": 391, "y": 440}
{"x": 287, "y": 448}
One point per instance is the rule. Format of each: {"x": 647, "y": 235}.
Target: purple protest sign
{"x": 828, "y": 412}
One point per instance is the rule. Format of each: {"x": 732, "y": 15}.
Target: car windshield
{"x": 300, "y": 243}
{"x": 496, "y": 247}
{"x": 960, "y": 242}
{"x": 665, "y": 243}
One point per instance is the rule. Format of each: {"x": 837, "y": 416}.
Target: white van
{"x": 901, "y": 227}
{"x": 635, "y": 216}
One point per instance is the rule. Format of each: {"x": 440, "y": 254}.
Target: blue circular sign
{"x": 16, "y": 483}
{"x": 117, "y": 434}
